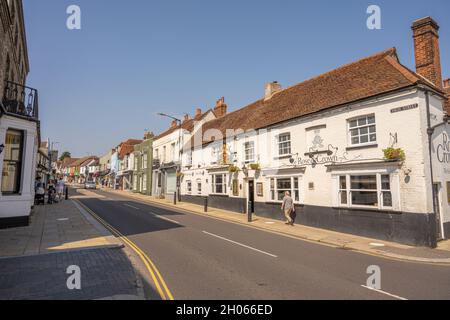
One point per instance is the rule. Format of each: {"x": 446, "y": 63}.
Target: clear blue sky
{"x": 131, "y": 59}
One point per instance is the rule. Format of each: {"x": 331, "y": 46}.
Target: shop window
{"x": 362, "y": 130}
{"x": 12, "y": 162}
{"x": 219, "y": 185}
{"x": 279, "y": 186}
{"x": 371, "y": 190}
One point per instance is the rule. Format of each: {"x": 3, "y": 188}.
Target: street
{"x": 204, "y": 258}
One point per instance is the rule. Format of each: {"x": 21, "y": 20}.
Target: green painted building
{"x": 142, "y": 165}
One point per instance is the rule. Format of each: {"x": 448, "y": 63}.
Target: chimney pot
{"x": 271, "y": 89}
{"x": 447, "y": 83}
{"x": 426, "y": 50}
{"x": 198, "y": 113}
{"x": 174, "y": 124}
{"x": 186, "y": 117}
{"x": 221, "y": 108}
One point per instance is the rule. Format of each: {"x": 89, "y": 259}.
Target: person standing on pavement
{"x": 288, "y": 207}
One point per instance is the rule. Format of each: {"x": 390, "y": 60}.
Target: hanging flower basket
{"x": 255, "y": 166}
{"x": 394, "y": 154}
{"x": 233, "y": 169}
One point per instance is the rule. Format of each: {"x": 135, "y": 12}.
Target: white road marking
{"x": 384, "y": 292}
{"x": 163, "y": 218}
{"x": 240, "y": 244}
{"x": 128, "y": 205}
{"x": 63, "y": 219}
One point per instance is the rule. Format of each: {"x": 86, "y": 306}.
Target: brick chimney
{"x": 271, "y": 89}
{"x": 186, "y": 117}
{"x": 426, "y": 47}
{"x": 446, "y": 83}
{"x": 221, "y": 108}
{"x": 198, "y": 113}
{"x": 174, "y": 124}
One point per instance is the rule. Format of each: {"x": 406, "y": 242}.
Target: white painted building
{"x": 324, "y": 141}
{"x": 19, "y": 120}
{"x": 167, "y": 152}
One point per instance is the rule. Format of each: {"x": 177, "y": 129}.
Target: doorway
{"x": 251, "y": 196}
{"x": 437, "y": 209}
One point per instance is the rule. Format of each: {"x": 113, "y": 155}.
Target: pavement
{"x": 34, "y": 259}
{"x": 440, "y": 255}
{"x": 219, "y": 256}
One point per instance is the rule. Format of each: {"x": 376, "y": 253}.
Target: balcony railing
{"x": 21, "y": 100}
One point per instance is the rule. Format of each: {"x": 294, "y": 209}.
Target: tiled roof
{"x": 68, "y": 161}
{"x": 125, "y": 149}
{"x": 186, "y": 125}
{"x": 378, "y": 74}
{"x": 82, "y": 161}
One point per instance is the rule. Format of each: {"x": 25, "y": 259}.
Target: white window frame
{"x": 144, "y": 182}
{"x": 199, "y": 183}
{"x": 145, "y": 161}
{"x": 359, "y": 127}
{"x": 379, "y": 191}
{"x": 249, "y": 147}
{"x": 214, "y": 184}
{"x": 189, "y": 187}
{"x": 279, "y": 143}
{"x": 292, "y": 190}
{"x": 216, "y": 152}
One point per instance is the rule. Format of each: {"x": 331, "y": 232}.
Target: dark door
{"x": 251, "y": 196}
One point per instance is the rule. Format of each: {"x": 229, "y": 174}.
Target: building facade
{"x": 339, "y": 144}
{"x": 19, "y": 119}
{"x": 142, "y": 158}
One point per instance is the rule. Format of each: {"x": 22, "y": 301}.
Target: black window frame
{"x": 19, "y": 164}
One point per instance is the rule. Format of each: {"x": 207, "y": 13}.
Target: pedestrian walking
{"x": 288, "y": 207}
{"x": 60, "y": 189}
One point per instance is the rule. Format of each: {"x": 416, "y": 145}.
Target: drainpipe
{"x": 430, "y": 132}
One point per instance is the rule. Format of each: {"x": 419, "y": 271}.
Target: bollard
{"x": 67, "y": 193}
{"x": 175, "y": 198}
{"x": 206, "y": 204}
{"x": 249, "y": 211}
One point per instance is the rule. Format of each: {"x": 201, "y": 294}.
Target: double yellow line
{"x": 160, "y": 284}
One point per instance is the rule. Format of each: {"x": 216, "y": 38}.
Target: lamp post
{"x": 50, "y": 156}
{"x": 179, "y": 150}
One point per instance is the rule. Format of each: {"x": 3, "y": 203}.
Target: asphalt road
{"x": 205, "y": 258}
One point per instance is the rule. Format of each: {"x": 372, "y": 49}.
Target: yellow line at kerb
{"x": 163, "y": 291}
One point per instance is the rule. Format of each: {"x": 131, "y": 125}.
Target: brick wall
{"x": 426, "y": 46}
{"x": 12, "y": 28}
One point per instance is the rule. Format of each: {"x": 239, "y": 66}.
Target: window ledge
{"x": 287, "y": 156}
{"x": 388, "y": 211}
{"x": 365, "y": 146}
{"x": 219, "y": 195}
